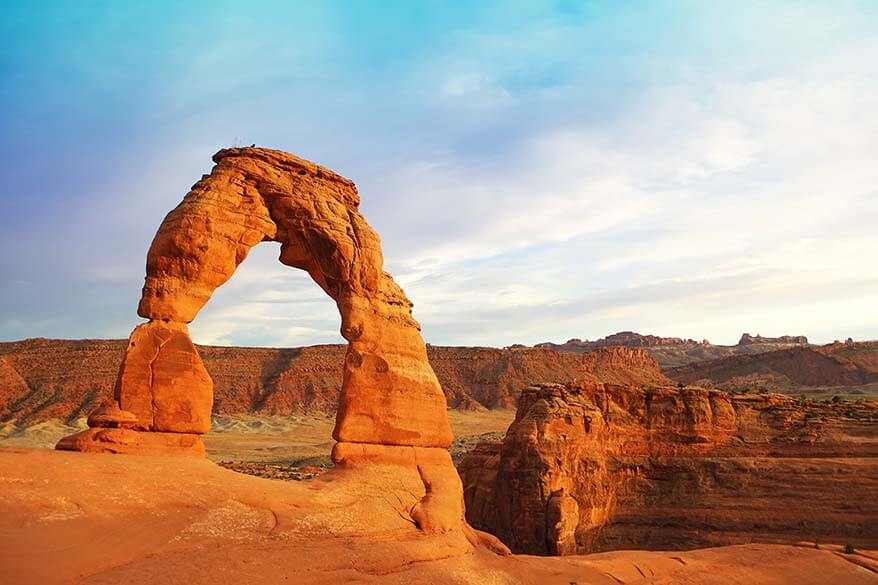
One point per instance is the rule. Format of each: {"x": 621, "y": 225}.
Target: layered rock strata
{"x": 590, "y": 467}
{"x": 41, "y": 379}
{"x": 835, "y": 368}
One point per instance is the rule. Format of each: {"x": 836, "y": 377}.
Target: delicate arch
{"x": 391, "y": 416}
{"x": 389, "y": 396}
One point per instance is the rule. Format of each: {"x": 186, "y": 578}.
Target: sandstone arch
{"x": 390, "y": 395}
{"x": 391, "y": 426}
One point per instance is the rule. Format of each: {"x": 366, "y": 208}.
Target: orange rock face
{"x": 163, "y": 382}
{"x": 587, "y": 467}
{"x": 110, "y": 416}
{"x": 13, "y": 384}
{"x": 389, "y": 394}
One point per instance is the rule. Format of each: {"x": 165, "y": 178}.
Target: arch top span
{"x": 389, "y": 395}
{"x": 254, "y": 195}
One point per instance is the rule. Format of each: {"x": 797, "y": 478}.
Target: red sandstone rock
{"x": 391, "y": 410}
{"x": 440, "y": 509}
{"x": 589, "y": 467}
{"x": 82, "y": 518}
{"x": 163, "y": 381}
{"x": 110, "y": 416}
{"x": 130, "y": 442}
{"x": 389, "y": 395}
{"x": 676, "y": 351}
{"x": 12, "y": 385}
{"x": 747, "y": 339}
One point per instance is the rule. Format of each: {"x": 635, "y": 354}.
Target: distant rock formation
{"x": 747, "y": 339}
{"x": 623, "y": 339}
{"x": 54, "y": 378}
{"x": 588, "y": 467}
{"x": 676, "y": 351}
{"x": 839, "y": 365}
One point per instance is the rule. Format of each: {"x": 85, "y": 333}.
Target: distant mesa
{"x": 747, "y": 339}
{"x": 677, "y": 351}
{"x": 623, "y": 339}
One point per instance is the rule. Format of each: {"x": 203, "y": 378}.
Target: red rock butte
{"x": 391, "y": 409}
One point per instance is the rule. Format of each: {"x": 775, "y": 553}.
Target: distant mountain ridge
{"x": 623, "y": 338}
{"x": 52, "y": 378}
{"x": 677, "y": 351}
{"x": 42, "y": 379}
{"x": 835, "y": 367}
{"x": 747, "y": 339}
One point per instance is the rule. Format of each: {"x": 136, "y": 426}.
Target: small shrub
{"x": 836, "y": 399}
{"x": 681, "y": 385}
{"x": 849, "y": 549}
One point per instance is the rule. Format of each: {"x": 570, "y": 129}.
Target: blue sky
{"x": 537, "y": 170}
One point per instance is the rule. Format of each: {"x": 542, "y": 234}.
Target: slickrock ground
{"x": 843, "y": 369}
{"x": 590, "y": 467}
{"x": 98, "y": 518}
{"x": 42, "y": 379}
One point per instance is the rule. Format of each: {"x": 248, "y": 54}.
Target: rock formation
{"x": 747, "y": 339}
{"x": 676, "y": 351}
{"x": 622, "y": 339}
{"x": 587, "y": 467}
{"x": 391, "y": 410}
{"x": 835, "y": 368}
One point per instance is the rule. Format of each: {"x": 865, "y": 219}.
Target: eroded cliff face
{"x": 589, "y": 467}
